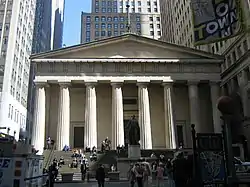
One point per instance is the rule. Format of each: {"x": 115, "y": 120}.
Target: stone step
{"x": 76, "y": 177}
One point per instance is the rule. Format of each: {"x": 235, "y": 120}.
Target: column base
{"x": 134, "y": 151}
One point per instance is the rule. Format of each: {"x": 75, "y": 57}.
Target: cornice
{"x": 128, "y": 60}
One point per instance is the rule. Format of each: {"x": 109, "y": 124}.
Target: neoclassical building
{"x": 88, "y": 92}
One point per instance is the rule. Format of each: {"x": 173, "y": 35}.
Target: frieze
{"x": 116, "y": 67}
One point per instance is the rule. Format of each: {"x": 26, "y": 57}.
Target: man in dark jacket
{"x": 100, "y": 176}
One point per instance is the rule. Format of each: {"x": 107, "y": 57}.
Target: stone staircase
{"x": 76, "y": 177}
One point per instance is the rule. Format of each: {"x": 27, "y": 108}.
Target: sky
{"x": 72, "y": 20}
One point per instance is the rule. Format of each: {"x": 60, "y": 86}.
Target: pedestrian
{"x": 83, "y": 170}
{"x": 100, "y": 176}
{"x": 131, "y": 176}
{"x": 159, "y": 175}
{"x": 139, "y": 173}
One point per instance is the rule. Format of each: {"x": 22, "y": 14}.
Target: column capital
{"x": 64, "y": 83}
{"x": 42, "y": 84}
{"x": 167, "y": 84}
{"x": 116, "y": 84}
{"x": 91, "y": 83}
{"x": 214, "y": 83}
{"x": 142, "y": 83}
{"x": 193, "y": 82}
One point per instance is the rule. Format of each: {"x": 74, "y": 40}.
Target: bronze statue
{"x": 133, "y": 132}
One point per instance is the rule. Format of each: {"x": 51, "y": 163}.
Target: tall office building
{"x": 57, "y": 20}
{"x": 235, "y": 71}
{"x": 110, "y": 17}
{"x": 16, "y": 34}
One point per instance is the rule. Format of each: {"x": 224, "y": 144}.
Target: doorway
{"x": 78, "y": 137}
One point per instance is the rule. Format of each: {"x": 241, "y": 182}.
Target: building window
{"x": 139, "y": 9}
{"x": 151, "y": 33}
{"x": 9, "y": 113}
{"x": 103, "y": 3}
{"x": 116, "y": 33}
{"x": 97, "y": 18}
{"x": 103, "y": 33}
{"x": 122, "y": 26}
{"x": 109, "y": 10}
{"x": 103, "y": 19}
{"x": 116, "y": 26}
{"x": 115, "y": 18}
{"x": 97, "y": 10}
{"x": 239, "y": 51}
{"x": 109, "y": 33}
{"x": 87, "y": 39}
{"x": 97, "y": 33}
{"x": 245, "y": 47}
{"x": 88, "y": 26}
{"x": 158, "y": 19}
{"x": 150, "y": 18}
{"x": 139, "y": 3}
{"x": 97, "y": 26}
{"x": 103, "y": 10}
{"x": 103, "y": 26}
{"x": 115, "y": 10}
{"x": 155, "y": 10}
{"x": 159, "y": 33}
{"x": 121, "y": 18}
{"x": 151, "y": 25}
{"x": 88, "y": 34}
{"x": 138, "y": 18}
{"x": 234, "y": 57}
{"x": 109, "y": 26}
{"x": 88, "y": 19}
{"x": 109, "y": 3}
{"x": 109, "y": 19}
{"x": 149, "y": 9}
{"x": 138, "y": 25}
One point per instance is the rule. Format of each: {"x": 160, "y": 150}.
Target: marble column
{"x": 144, "y": 116}
{"x": 117, "y": 116}
{"x": 215, "y": 94}
{"x": 38, "y": 131}
{"x": 194, "y": 104}
{"x": 170, "y": 126}
{"x": 63, "y": 127}
{"x": 90, "y": 128}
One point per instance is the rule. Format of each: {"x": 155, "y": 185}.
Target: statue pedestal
{"x": 134, "y": 151}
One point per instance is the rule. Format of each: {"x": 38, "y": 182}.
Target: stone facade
{"x": 89, "y": 92}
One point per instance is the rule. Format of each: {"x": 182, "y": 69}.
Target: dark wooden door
{"x": 79, "y": 137}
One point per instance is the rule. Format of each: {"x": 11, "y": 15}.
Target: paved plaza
{"x": 107, "y": 184}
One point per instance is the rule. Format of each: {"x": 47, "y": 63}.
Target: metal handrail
{"x": 50, "y": 157}
{"x": 44, "y": 176}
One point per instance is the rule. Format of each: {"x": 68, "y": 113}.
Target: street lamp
{"x": 225, "y": 105}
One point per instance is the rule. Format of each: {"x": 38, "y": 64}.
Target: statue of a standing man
{"x": 134, "y": 132}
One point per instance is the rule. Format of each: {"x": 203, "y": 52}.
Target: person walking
{"x": 139, "y": 173}
{"x": 131, "y": 176}
{"x": 100, "y": 176}
{"x": 83, "y": 170}
{"x": 159, "y": 175}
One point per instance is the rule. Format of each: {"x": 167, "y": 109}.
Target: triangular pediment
{"x": 127, "y": 46}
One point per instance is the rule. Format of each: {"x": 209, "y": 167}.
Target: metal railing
{"x": 41, "y": 180}
{"x": 50, "y": 157}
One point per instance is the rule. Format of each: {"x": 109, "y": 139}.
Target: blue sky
{"x": 72, "y": 20}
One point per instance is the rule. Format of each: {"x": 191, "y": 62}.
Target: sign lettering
{"x": 216, "y": 20}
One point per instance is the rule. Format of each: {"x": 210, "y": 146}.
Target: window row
{"x": 104, "y": 10}
{"x": 105, "y": 3}
{"x": 110, "y": 26}
{"x": 16, "y": 116}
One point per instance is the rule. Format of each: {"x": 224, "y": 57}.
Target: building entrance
{"x": 78, "y": 137}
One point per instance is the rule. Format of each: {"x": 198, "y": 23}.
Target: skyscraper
{"x": 16, "y": 34}
{"x": 57, "y": 19}
{"x": 235, "y": 70}
{"x": 110, "y": 17}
